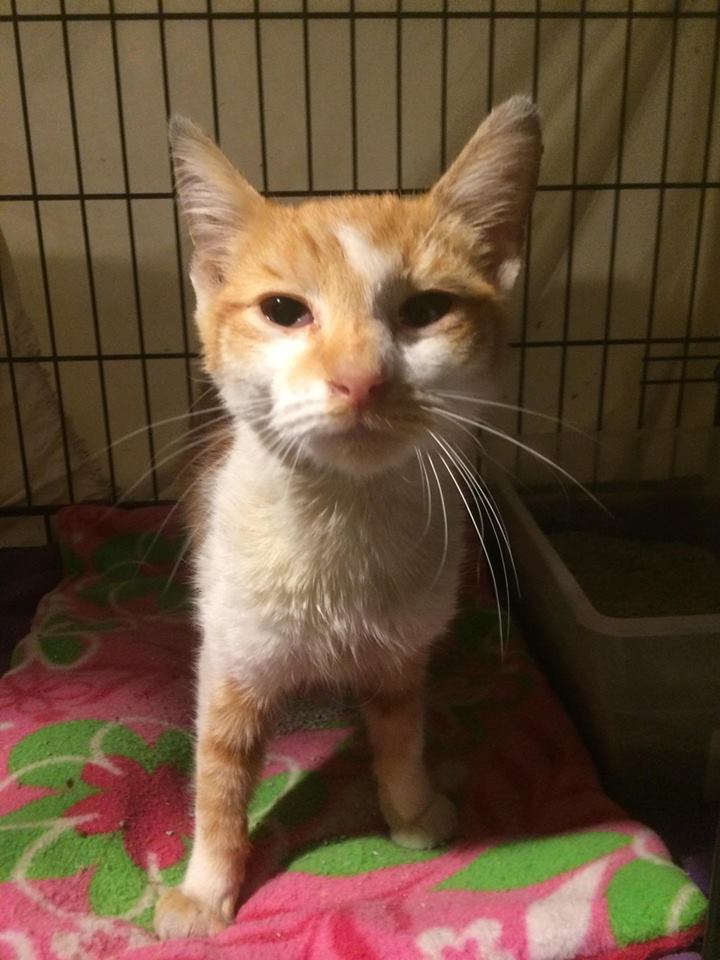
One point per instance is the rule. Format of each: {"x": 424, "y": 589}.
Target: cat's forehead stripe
{"x": 374, "y": 266}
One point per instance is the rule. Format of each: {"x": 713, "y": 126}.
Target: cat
{"x": 343, "y": 336}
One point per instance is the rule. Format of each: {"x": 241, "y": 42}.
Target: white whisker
{"x": 477, "y": 530}
{"x": 157, "y": 464}
{"x": 523, "y": 446}
{"x": 516, "y": 409}
{"x": 496, "y": 521}
{"x": 443, "y": 559}
{"x": 487, "y": 498}
{"x": 480, "y": 533}
{"x": 481, "y": 446}
{"x": 179, "y": 559}
{"x": 186, "y": 546}
{"x": 125, "y": 437}
{"x": 191, "y": 463}
{"x": 427, "y": 496}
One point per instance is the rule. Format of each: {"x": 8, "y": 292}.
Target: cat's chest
{"x": 334, "y": 564}
{"x": 291, "y": 591}
{"x": 372, "y": 553}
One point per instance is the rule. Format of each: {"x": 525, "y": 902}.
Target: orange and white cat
{"x": 342, "y": 335}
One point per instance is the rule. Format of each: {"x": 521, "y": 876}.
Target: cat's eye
{"x": 425, "y": 308}
{"x": 286, "y": 311}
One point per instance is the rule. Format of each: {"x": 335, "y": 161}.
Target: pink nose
{"x": 357, "y": 387}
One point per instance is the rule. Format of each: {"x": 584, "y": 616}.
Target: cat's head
{"x": 329, "y": 325}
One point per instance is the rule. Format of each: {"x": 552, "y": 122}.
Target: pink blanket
{"x": 95, "y": 759}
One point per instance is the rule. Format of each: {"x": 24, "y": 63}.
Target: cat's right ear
{"x": 216, "y": 201}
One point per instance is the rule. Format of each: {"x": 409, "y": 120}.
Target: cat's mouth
{"x": 362, "y": 447}
{"x": 360, "y": 431}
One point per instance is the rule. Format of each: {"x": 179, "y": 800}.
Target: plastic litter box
{"x": 643, "y": 686}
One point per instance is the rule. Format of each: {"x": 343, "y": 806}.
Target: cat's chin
{"x": 359, "y": 452}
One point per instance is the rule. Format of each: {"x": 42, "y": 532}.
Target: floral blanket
{"x": 95, "y": 764}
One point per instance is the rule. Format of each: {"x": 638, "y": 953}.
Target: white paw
{"x": 437, "y": 823}
{"x": 178, "y": 915}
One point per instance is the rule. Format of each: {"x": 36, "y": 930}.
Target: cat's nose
{"x": 357, "y": 387}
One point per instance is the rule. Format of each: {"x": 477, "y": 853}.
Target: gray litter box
{"x": 625, "y": 608}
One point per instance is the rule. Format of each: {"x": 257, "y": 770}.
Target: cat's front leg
{"x": 229, "y": 754}
{"x": 418, "y": 816}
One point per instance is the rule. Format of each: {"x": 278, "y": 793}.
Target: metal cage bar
{"x": 675, "y": 360}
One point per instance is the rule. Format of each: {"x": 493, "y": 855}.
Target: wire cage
{"x": 613, "y": 324}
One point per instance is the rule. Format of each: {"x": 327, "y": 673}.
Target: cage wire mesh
{"x": 613, "y": 325}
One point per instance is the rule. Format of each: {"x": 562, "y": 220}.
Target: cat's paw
{"x": 178, "y": 915}
{"x": 437, "y": 823}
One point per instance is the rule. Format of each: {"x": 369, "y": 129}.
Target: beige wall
{"x": 543, "y": 312}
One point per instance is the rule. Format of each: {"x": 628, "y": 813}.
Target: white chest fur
{"x": 302, "y": 577}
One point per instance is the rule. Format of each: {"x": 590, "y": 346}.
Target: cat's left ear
{"x": 491, "y": 186}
